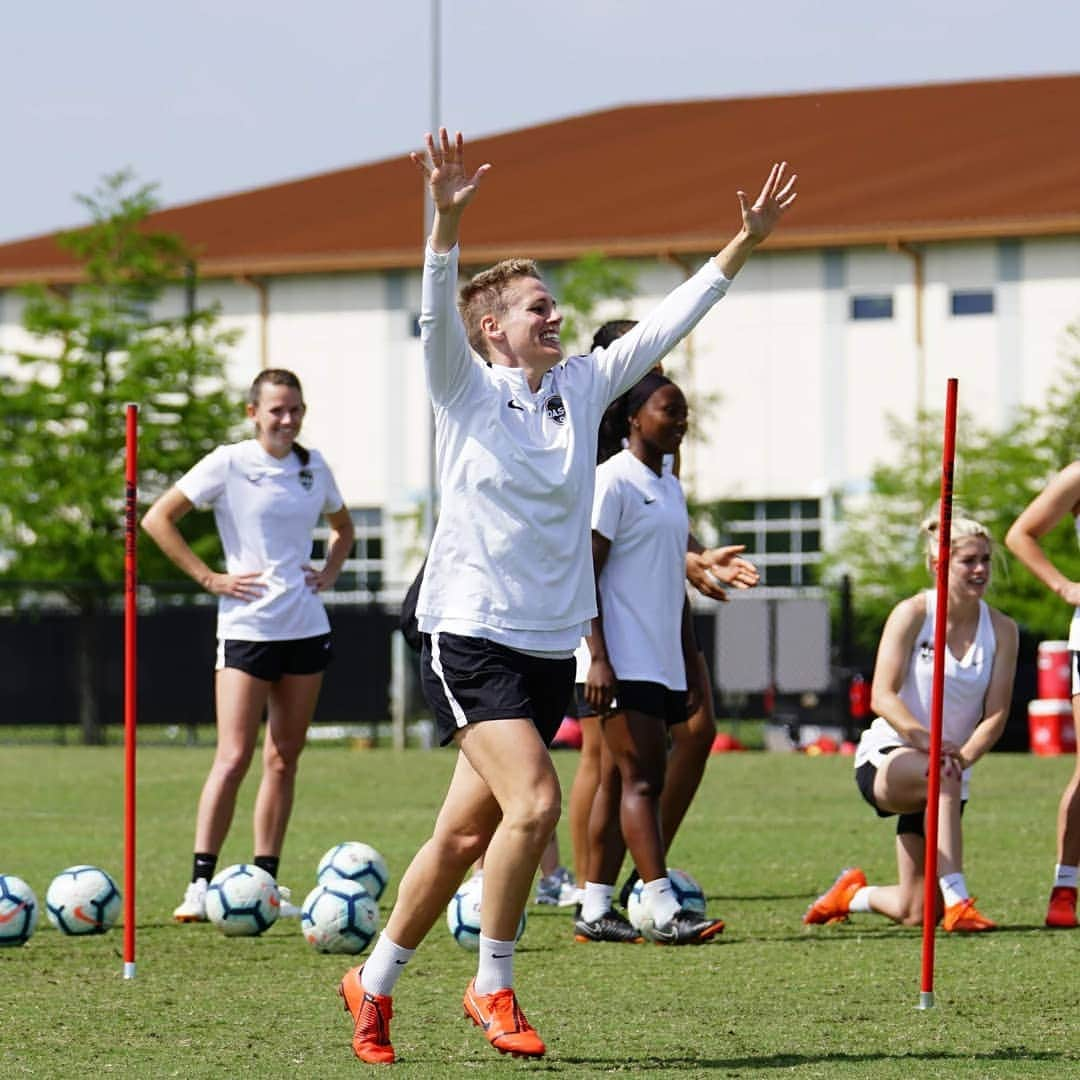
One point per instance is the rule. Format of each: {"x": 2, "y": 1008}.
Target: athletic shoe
{"x": 962, "y": 918}
{"x": 628, "y": 887}
{"x": 557, "y": 888}
{"x": 611, "y": 926}
{"x": 287, "y": 910}
{"x": 371, "y": 1015}
{"x": 833, "y": 905}
{"x": 1061, "y": 911}
{"x": 503, "y": 1022}
{"x": 685, "y": 928}
{"x": 193, "y": 907}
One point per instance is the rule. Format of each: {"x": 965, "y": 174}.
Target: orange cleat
{"x": 503, "y": 1022}
{"x": 962, "y": 918}
{"x": 371, "y": 1015}
{"x": 832, "y": 906}
{"x": 1061, "y": 911}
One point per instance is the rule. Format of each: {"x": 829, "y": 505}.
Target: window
{"x": 782, "y": 537}
{"x": 364, "y": 568}
{"x": 972, "y": 302}
{"x": 872, "y": 306}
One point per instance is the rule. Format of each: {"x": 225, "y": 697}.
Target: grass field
{"x": 772, "y": 998}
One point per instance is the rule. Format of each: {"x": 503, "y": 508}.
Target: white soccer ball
{"x": 243, "y": 900}
{"x": 339, "y": 916}
{"x": 687, "y": 892}
{"x": 463, "y": 914}
{"x": 355, "y": 862}
{"x": 82, "y": 900}
{"x": 18, "y": 910}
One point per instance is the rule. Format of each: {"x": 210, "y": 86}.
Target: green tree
{"x": 104, "y": 342}
{"x": 997, "y": 473}
{"x": 583, "y": 283}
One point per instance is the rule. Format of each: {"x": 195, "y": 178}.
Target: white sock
{"x": 861, "y": 900}
{"x": 658, "y": 898}
{"x": 1065, "y": 875}
{"x": 953, "y": 889}
{"x": 384, "y": 966}
{"x": 597, "y": 901}
{"x": 496, "y": 968}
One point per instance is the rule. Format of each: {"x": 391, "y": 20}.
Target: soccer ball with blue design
{"x": 339, "y": 916}
{"x": 18, "y": 910}
{"x": 463, "y": 914}
{"x": 82, "y": 900}
{"x": 687, "y": 892}
{"x": 358, "y": 862}
{"x": 243, "y": 900}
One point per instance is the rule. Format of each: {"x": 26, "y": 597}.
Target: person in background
{"x": 891, "y": 762}
{"x": 267, "y": 494}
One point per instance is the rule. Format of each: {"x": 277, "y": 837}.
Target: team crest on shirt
{"x": 307, "y": 479}
{"x": 556, "y": 409}
{"x": 926, "y": 651}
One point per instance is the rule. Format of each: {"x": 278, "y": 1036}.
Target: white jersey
{"x": 966, "y": 682}
{"x": 1074, "y": 626}
{"x": 265, "y": 509}
{"x": 642, "y": 583}
{"x": 511, "y": 559}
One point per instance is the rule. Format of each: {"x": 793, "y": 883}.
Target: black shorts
{"x": 270, "y": 660}
{"x": 579, "y": 708}
{"x": 467, "y": 680}
{"x": 913, "y": 824}
{"x": 652, "y": 699}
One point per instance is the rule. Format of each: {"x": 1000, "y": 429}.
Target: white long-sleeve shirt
{"x": 511, "y": 559}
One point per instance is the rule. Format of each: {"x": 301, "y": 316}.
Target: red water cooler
{"x": 1050, "y": 718}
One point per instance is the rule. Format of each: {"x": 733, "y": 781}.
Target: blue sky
{"x": 212, "y": 96}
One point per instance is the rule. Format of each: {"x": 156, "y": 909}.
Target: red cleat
{"x": 962, "y": 918}
{"x": 503, "y": 1022}
{"x": 1061, "y": 911}
{"x": 833, "y": 905}
{"x": 371, "y": 1015}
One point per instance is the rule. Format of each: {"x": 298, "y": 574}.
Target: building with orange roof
{"x": 937, "y": 234}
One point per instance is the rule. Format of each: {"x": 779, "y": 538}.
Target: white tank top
{"x": 1074, "y": 626}
{"x": 966, "y": 683}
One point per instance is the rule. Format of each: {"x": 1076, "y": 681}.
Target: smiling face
{"x": 524, "y": 331}
{"x": 661, "y": 422}
{"x": 278, "y": 414}
{"x": 969, "y": 568}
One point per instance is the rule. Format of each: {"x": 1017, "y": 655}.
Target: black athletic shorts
{"x": 270, "y": 660}
{"x": 467, "y": 680}
{"x": 652, "y": 699}
{"x": 914, "y": 824}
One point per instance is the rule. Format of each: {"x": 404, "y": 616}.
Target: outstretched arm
{"x": 759, "y": 219}
{"x": 450, "y": 185}
{"x": 1057, "y": 500}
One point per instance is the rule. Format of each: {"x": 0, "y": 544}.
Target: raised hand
{"x": 777, "y": 194}
{"x": 451, "y": 186}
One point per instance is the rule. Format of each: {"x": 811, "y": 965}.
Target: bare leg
{"x": 903, "y": 902}
{"x": 463, "y": 829}
{"x": 606, "y": 844}
{"x": 240, "y": 700}
{"x": 582, "y": 793}
{"x": 511, "y": 758}
{"x": 549, "y": 861}
{"x": 1068, "y": 824}
{"x": 290, "y": 709}
{"x": 691, "y": 744}
{"x": 638, "y": 744}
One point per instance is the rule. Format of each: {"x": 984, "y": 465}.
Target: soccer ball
{"x": 18, "y": 910}
{"x": 463, "y": 914}
{"x": 687, "y": 891}
{"x": 242, "y": 901}
{"x": 339, "y": 916}
{"x": 356, "y": 862}
{"x": 82, "y": 900}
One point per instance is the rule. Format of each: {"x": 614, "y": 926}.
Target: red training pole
{"x": 130, "y": 684}
{"x": 933, "y": 774}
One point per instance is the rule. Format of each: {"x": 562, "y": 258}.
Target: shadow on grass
{"x": 790, "y": 1061}
{"x": 762, "y": 896}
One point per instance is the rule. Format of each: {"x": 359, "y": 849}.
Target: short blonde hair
{"x": 963, "y": 527}
{"x": 485, "y": 294}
